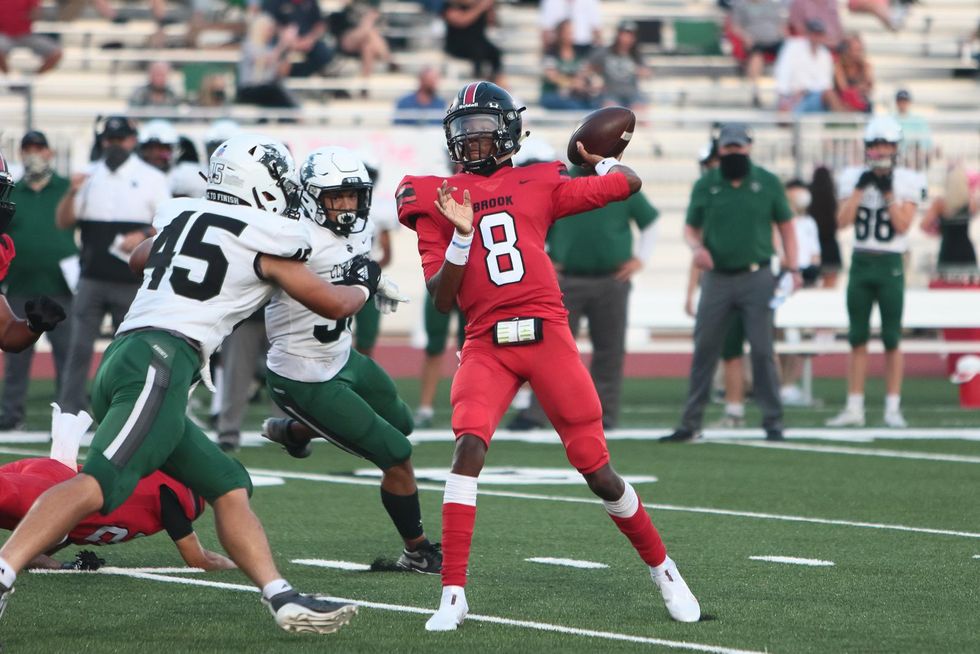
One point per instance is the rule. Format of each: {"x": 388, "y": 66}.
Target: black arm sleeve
{"x": 172, "y": 515}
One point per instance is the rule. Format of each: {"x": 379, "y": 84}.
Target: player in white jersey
{"x": 328, "y": 389}
{"x": 880, "y": 200}
{"x": 213, "y": 262}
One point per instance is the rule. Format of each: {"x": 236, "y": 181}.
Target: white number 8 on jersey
{"x": 504, "y": 262}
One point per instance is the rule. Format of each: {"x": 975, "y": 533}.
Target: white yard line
{"x": 569, "y": 563}
{"x": 792, "y": 560}
{"x": 337, "y": 479}
{"x": 401, "y": 608}
{"x": 23, "y": 452}
{"x": 113, "y": 570}
{"x": 336, "y": 565}
{"x": 858, "y": 451}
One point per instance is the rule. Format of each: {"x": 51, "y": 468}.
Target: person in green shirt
{"x": 36, "y": 269}
{"x": 729, "y": 229}
{"x": 596, "y": 257}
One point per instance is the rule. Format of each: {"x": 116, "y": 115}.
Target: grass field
{"x": 899, "y": 520}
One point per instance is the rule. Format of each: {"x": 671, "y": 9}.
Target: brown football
{"x": 605, "y": 132}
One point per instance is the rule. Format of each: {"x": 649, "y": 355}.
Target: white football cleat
{"x": 452, "y": 610}
{"x": 294, "y": 611}
{"x": 680, "y": 601}
{"x": 895, "y": 419}
{"x": 847, "y": 418}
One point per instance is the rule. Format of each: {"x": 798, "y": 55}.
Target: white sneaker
{"x": 847, "y": 418}
{"x": 452, "y": 610}
{"x": 680, "y": 601}
{"x": 895, "y": 420}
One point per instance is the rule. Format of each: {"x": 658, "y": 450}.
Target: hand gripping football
{"x": 605, "y": 132}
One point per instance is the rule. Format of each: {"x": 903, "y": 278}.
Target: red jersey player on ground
{"x": 159, "y": 503}
{"x": 517, "y": 329}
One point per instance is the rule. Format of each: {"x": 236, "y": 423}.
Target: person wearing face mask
{"x": 113, "y": 209}
{"x": 729, "y": 229}
{"x": 36, "y": 271}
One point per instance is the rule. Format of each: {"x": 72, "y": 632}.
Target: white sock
{"x": 660, "y": 569}
{"x": 736, "y": 409}
{"x": 892, "y": 402}
{"x": 855, "y": 402}
{"x": 460, "y": 489}
{"x": 424, "y": 411}
{"x": 7, "y": 574}
{"x": 626, "y": 506}
{"x": 273, "y": 588}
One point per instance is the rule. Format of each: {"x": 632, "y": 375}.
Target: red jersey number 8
{"x": 504, "y": 262}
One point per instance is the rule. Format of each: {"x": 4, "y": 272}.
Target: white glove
{"x": 388, "y": 296}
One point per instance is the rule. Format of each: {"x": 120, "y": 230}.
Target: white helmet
{"x": 534, "y": 150}
{"x": 336, "y": 169}
{"x": 254, "y": 171}
{"x": 159, "y": 132}
{"x": 967, "y": 367}
{"x": 882, "y": 129}
{"x": 219, "y": 132}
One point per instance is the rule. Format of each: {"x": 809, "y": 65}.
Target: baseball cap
{"x": 627, "y": 26}
{"x": 903, "y": 95}
{"x": 118, "y": 127}
{"x": 34, "y": 137}
{"x": 734, "y": 134}
{"x": 815, "y": 25}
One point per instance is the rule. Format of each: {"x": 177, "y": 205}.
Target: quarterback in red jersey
{"x": 487, "y": 254}
{"x": 159, "y": 503}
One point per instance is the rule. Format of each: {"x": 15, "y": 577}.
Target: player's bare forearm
{"x": 634, "y": 181}
{"x": 444, "y": 286}
{"x": 902, "y": 213}
{"x": 137, "y": 260}
{"x": 15, "y": 335}
{"x": 787, "y": 234}
{"x": 196, "y": 556}
{"x": 319, "y": 296}
{"x": 848, "y": 210}
{"x": 44, "y": 562}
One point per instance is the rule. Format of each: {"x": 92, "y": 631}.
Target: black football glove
{"x": 43, "y": 314}
{"x": 363, "y": 272}
{"x": 884, "y": 183}
{"x": 84, "y": 560}
{"x": 867, "y": 179}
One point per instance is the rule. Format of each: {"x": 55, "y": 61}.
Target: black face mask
{"x": 115, "y": 156}
{"x": 734, "y": 166}
{"x": 6, "y": 215}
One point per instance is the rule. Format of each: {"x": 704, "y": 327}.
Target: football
{"x": 605, "y": 132}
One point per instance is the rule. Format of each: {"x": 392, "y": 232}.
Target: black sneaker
{"x": 427, "y": 559}
{"x": 682, "y": 436}
{"x": 5, "y": 594}
{"x": 278, "y": 430}
{"x": 294, "y": 611}
{"x": 520, "y": 422}
{"x": 775, "y": 435}
{"x": 8, "y": 423}
{"x": 229, "y": 441}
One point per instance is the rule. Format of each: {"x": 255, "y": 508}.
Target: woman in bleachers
{"x": 949, "y": 218}
{"x": 356, "y": 28}
{"x": 566, "y": 81}
{"x": 264, "y": 63}
{"x": 853, "y": 77}
{"x": 760, "y": 25}
{"x": 466, "y": 36}
{"x": 620, "y": 67}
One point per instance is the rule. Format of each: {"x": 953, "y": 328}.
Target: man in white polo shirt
{"x": 113, "y": 207}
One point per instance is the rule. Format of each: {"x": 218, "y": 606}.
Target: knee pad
{"x": 224, "y": 479}
{"x": 858, "y": 334}
{"x": 890, "y": 337}
{"x": 472, "y": 418}
{"x": 587, "y": 452}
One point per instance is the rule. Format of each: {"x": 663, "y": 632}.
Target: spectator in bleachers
{"x": 423, "y": 99}
{"x": 566, "y": 82}
{"x": 113, "y": 207}
{"x": 916, "y": 133}
{"x": 301, "y": 24}
{"x": 949, "y": 218}
{"x": 761, "y": 27}
{"x": 853, "y": 78}
{"x": 356, "y": 27}
{"x": 586, "y": 18}
{"x": 891, "y": 13}
{"x": 36, "y": 270}
{"x": 71, "y": 9}
{"x": 804, "y": 71}
{"x": 264, "y": 64}
{"x": 156, "y": 92}
{"x": 620, "y": 68}
{"x": 17, "y": 30}
{"x": 466, "y": 36}
{"x": 801, "y": 11}
{"x": 823, "y": 208}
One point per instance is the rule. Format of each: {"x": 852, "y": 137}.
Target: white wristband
{"x": 604, "y": 166}
{"x": 458, "y": 252}
{"x": 367, "y": 291}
